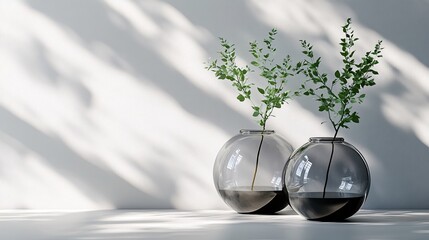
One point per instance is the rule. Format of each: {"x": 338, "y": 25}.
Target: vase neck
{"x": 256, "y": 132}
{"x": 326, "y": 139}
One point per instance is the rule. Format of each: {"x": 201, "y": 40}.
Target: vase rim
{"x": 252, "y": 131}
{"x": 326, "y": 139}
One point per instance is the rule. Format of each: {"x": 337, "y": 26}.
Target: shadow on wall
{"x": 142, "y": 51}
{"x": 114, "y": 98}
{"x": 157, "y": 157}
{"x": 93, "y": 54}
{"x": 96, "y": 183}
{"x": 393, "y": 130}
{"x": 83, "y": 51}
{"x": 397, "y": 131}
{"x": 408, "y": 33}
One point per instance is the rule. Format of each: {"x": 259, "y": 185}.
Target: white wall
{"x": 106, "y": 104}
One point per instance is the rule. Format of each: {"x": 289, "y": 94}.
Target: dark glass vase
{"x": 327, "y": 179}
{"x": 248, "y": 172}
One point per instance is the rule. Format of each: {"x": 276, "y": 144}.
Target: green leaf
{"x": 255, "y": 114}
{"x": 315, "y": 73}
{"x": 354, "y": 118}
{"x": 240, "y": 98}
{"x": 322, "y": 108}
{"x": 231, "y": 78}
{"x": 337, "y": 74}
{"x": 262, "y": 91}
{"x": 255, "y": 63}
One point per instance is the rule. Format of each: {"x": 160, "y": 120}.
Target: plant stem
{"x": 330, "y": 161}
{"x": 257, "y": 158}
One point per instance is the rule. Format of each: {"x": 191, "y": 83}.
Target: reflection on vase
{"x": 248, "y": 172}
{"x": 327, "y": 179}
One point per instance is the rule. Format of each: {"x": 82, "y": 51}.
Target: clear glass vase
{"x": 327, "y": 179}
{"x": 248, "y": 172}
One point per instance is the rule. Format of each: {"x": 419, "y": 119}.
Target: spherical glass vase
{"x": 327, "y": 179}
{"x": 248, "y": 172}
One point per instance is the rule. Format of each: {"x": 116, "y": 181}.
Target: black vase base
{"x": 256, "y": 201}
{"x": 327, "y": 209}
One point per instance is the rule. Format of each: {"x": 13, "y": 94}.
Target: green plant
{"x": 338, "y": 95}
{"x": 273, "y": 94}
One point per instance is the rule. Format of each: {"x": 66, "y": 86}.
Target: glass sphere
{"x": 248, "y": 172}
{"x": 327, "y": 179}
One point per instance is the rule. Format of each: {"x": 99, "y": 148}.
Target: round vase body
{"x": 248, "y": 172}
{"x": 327, "y": 179}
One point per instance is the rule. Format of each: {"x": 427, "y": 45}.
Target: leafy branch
{"x": 338, "y": 95}
{"x": 274, "y": 94}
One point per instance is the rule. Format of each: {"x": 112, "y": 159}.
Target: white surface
{"x": 208, "y": 225}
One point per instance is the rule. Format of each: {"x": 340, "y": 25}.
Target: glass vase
{"x": 327, "y": 179}
{"x": 248, "y": 172}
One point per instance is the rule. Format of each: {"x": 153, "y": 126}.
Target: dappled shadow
{"x": 113, "y": 95}
{"x": 132, "y": 177}
{"x": 388, "y": 19}
{"x": 391, "y": 134}
{"x": 402, "y": 158}
{"x": 141, "y": 53}
{"x": 98, "y": 184}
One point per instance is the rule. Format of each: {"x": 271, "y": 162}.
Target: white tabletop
{"x": 207, "y": 225}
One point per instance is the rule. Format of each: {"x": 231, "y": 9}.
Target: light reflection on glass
{"x": 234, "y": 160}
{"x": 346, "y": 184}
{"x": 276, "y": 181}
{"x": 304, "y": 166}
